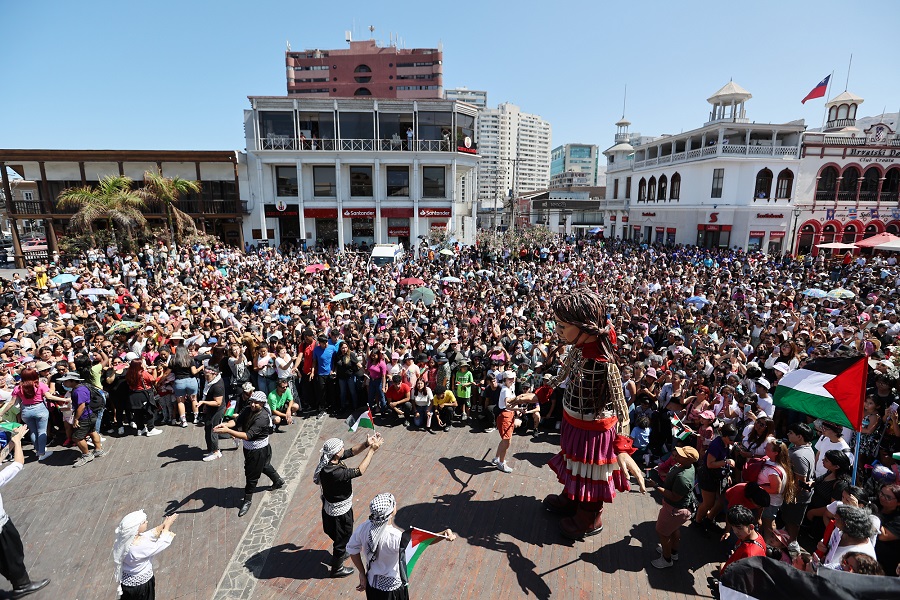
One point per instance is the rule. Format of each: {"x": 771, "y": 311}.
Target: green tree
{"x": 168, "y": 191}
{"x": 112, "y": 202}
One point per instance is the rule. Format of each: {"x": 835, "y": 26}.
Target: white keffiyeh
{"x": 125, "y": 534}
{"x": 329, "y": 451}
{"x": 381, "y": 508}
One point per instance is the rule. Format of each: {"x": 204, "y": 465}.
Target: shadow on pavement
{"x": 289, "y": 561}
{"x": 181, "y": 453}
{"x": 538, "y": 459}
{"x": 206, "y": 498}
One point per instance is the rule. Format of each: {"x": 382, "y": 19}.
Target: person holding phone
{"x": 133, "y": 549}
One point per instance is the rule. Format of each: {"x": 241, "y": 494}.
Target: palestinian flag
{"x": 419, "y": 540}
{"x": 762, "y": 578}
{"x": 230, "y": 408}
{"x": 363, "y": 420}
{"x": 832, "y": 389}
{"x": 680, "y": 430}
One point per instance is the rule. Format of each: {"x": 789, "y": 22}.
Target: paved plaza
{"x": 508, "y": 546}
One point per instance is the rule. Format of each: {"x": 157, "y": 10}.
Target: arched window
{"x": 675, "y": 192}
{"x": 642, "y": 190}
{"x": 870, "y": 230}
{"x": 651, "y": 190}
{"x": 827, "y": 185}
{"x": 828, "y": 233}
{"x": 852, "y": 111}
{"x": 363, "y": 78}
{"x": 868, "y": 192}
{"x": 849, "y": 184}
{"x": 843, "y": 111}
{"x": 893, "y": 228}
{"x": 832, "y": 113}
{"x": 662, "y": 187}
{"x": 785, "y": 184}
{"x": 891, "y": 186}
{"x": 362, "y": 92}
{"x": 763, "y": 184}
{"x": 849, "y": 234}
{"x": 805, "y": 239}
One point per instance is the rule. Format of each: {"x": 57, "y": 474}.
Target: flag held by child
{"x": 364, "y": 420}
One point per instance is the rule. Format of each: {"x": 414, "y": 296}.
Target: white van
{"x": 387, "y": 254}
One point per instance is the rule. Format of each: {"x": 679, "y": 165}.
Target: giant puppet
{"x": 594, "y": 447}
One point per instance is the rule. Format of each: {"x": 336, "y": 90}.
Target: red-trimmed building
{"x": 849, "y": 183}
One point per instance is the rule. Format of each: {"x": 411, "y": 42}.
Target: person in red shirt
{"x": 398, "y": 399}
{"x": 306, "y": 365}
{"x": 750, "y": 542}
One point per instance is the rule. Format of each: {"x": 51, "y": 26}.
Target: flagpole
{"x": 827, "y": 96}
{"x": 856, "y": 456}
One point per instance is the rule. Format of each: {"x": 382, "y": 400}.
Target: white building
{"x": 354, "y": 170}
{"x": 477, "y": 98}
{"x": 729, "y": 183}
{"x": 574, "y": 165}
{"x": 515, "y": 153}
{"x": 849, "y": 184}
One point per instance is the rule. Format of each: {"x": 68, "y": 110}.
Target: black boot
{"x": 245, "y": 507}
{"x": 30, "y": 588}
{"x": 277, "y": 485}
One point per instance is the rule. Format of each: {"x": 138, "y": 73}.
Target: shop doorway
{"x": 289, "y": 230}
{"x": 326, "y": 233}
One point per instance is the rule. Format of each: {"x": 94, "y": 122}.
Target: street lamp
{"x": 796, "y": 213}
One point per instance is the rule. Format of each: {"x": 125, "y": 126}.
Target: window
{"x": 827, "y": 184}
{"x": 361, "y": 181}
{"x": 465, "y": 127}
{"x": 849, "y": 183}
{"x": 363, "y": 78}
{"x": 763, "y": 187}
{"x": 675, "y": 191}
{"x": 317, "y": 125}
{"x": 28, "y": 195}
{"x": 276, "y": 124}
{"x": 662, "y": 187}
{"x": 362, "y": 92}
{"x": 286, "y": 181}
{"x": 642, "y": 190}
{"x": 869, "y": 189}
{"x": 433, "y": 125}
{"x": 398, "y": 181}
{"x": 651, "y": 190}
{"x": 628, "y": 188}
{"x": 718, "y": 180}
{"x": 324, "y": 181}
{"x": 616, "y": 189}
{"x": 394, "y": 124}
{"x": 433, "y": 182}
{"x": 785, "y": 184}
{"x": 357, "y": 125}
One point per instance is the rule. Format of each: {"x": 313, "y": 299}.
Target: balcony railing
{"x": 394, "y": 144}
{"x": 27, "y": 207}
{"x": 191, "y": 207}
{"x": 718, "y": 150}
{"x": 825, "y": 195}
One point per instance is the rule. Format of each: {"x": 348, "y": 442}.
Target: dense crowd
{"x": 179, "y": 338}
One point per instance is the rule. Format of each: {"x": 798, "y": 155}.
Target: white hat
{"x": 509, "y": 375}
{"x": 132, "y": 356}
{"x": 763, "y": 382}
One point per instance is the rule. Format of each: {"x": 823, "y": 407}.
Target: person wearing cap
{"x": 252, "y": 427}
{"x": 336, "y": 479}
{"x": 765, "y": 402}
{"x": 677, "y": 502}
{"x": 12, "y": 551}
{"x": 377, "y": 548}
{"x": 84, "y": 421}
{"x": 464, "y": 382}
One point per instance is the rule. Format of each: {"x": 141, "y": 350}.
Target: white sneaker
{"x": 152, "y": 432}
{"x": 213, "y": 456}
{"x": 662, "y": 563}
{"x": 141, "y": 431}
{"x": 121, "y": 431}
{"x": 45, "y": 455}
{"x": 504, "y": 467}
{"x": 133, "y": 425}
{"x": 496, "y": 461}
{"x": 102, "y": 439}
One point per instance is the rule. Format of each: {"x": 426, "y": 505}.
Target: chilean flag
{"x": 818, "y": 91}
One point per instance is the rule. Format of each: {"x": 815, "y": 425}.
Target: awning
{"x": 595, "y": 230}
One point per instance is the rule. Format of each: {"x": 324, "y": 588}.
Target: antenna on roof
{"x": 372, "y": 31}
{"x": 847, "y": 83}
{"x": 624, "y": 98}
{"x": 288, "y": 45}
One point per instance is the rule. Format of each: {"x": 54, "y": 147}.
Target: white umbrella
{"x": 893, "y": 246}
{"x": 96, "y": 292}
{"x": 837, "y": 246}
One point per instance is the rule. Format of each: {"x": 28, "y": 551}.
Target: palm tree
{"x": 112, "y": 201}
{"x": 169, "y": 190}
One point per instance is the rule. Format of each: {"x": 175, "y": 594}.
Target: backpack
{"x": 753, "y": 468}
{"x": 98, "y": 399}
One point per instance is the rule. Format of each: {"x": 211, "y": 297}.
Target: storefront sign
{"x": 612, "y": 217}
{"x": 467, "y": 146}
{"x": 359, "y": 213}
{"x": 757, "y": 234}
{"x": 625, "y": 219}
{"x": 273, "y": 211}
{"x": 281, "y": 205}
{"x": 398, "y": 231}
{"x": 648, "y": 214}
{"x": 660, "y": 229}
{"x": 776, "y": 234}
{"x": 670, "y": 230}
{"x": 769, "y": 215}
{"x": 399, "y": 213}
{"x": 320, "y": 213}
{"x": 438, "y": 226}
{"x": 434, "y": 212}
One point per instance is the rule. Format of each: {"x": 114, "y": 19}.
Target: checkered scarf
{"x": 381, "y": 509}
{"x": 329, "y": 450}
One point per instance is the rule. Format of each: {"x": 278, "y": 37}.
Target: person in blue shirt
{"x": 322, "y": 355}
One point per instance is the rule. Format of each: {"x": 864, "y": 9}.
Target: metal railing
{"x": 394, "y": 144}
{"x": 27, "y": 207}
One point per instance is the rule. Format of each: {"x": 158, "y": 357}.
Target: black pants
{"x": 143, "y": 410}
{"x": 257, "y": 462}
{"x": 145, "y": 591}
{"x": 319, "y": 393}
{"x": 339, "y": 529}
{"x": 446, "y": 414}
{"x": 12, "y": 555}
{"x": 210, "y": 420}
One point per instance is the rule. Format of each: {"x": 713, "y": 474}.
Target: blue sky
{"x": 175, "y": 75}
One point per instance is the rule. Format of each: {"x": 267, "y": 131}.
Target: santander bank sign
{"x": 434, "y": 212}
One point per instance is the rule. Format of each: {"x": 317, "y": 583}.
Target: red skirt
{"x": 586, "y": 464}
